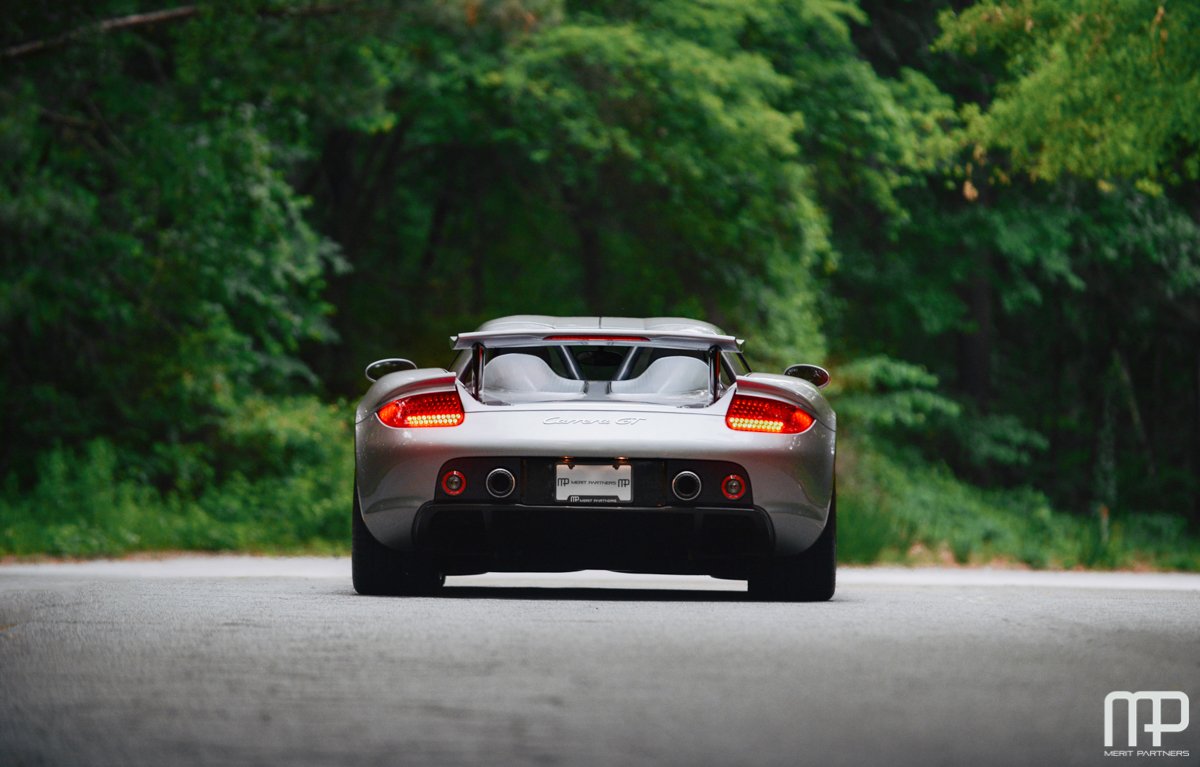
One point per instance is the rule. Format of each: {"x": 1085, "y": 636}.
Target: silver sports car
{"x": 569, "y": 443}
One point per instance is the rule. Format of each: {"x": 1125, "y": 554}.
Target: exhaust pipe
{"x": 686, "y": 485}
{"x": 500, "y": 483}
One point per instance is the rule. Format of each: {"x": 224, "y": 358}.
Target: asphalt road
{"x": 230, "y": 661}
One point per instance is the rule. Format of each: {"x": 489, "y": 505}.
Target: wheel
{"x": 380, "y": 571}
{"x": 807, "y": 577}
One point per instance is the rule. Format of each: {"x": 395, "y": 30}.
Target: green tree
{"x": 1095, "y": 88}
{"x": 1045, "y": 306}
{"x": 156, "y": 264}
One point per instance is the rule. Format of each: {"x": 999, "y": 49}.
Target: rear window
{"x": 593, "y": 372}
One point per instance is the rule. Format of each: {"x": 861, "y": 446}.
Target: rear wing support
{"x": 477, "y": 360}
{"x": 714, "y": 371}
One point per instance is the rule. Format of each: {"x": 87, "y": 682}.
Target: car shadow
{"x": 550, "y": 593}
{"x": 577, "y": 594}
{"x": 584, "y": 594}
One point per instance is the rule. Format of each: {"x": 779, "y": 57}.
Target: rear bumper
{"x": 473, "y": 538}
{"x": 790, "y": 475}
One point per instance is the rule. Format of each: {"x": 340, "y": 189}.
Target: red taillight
{"x": 766, "y": 415}
{"x": 442, "y": 408}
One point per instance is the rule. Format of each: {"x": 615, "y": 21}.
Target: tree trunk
{"x": 1194, "y": 457}
{"x": 337, "y": 167}
{"x": 1135, "y": 412}
{"x": 975, "y": 347}
{"x": 591, "y": 261}
{"x": 433, "y": 240}
{"x": 1104, "y": 487}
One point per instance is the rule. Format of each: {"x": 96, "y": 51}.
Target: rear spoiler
{"x": 676, "y": 339}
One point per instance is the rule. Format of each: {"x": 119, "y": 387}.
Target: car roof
{"x": 540, "y": 323}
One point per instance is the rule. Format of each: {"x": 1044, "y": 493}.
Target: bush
{"x": 278, "y": 477}
{"x": 895, "y": 506}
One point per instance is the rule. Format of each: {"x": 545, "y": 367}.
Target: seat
{"x": 519, "y": 373}
{"x": 667, "y": 375}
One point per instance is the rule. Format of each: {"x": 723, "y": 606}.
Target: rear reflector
{"x": 453, "y": 482}
{"x": 442, "y": 408}
{"x": 733, "y": 487}
{"x": 766, "y": 415}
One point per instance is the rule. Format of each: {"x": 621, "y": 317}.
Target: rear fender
{"x": 403, "y": 384}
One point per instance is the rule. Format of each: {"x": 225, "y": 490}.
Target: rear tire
{"x": 807, "y": 577}
{"x": 377, "y": 570}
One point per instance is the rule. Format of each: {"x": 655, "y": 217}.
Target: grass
{"x": 898, "y": 509}
{"x": 86, "y": 503}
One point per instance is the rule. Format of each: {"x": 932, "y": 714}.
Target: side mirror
{"x": 817, "y": 376}
{"x": 380, "y": 368}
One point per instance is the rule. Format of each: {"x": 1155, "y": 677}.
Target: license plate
{"x": 593, "y": 484}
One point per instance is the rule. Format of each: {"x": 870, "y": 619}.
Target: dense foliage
{"x": 983, "y": 218}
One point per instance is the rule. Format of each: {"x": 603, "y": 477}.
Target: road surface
{"x": 245, "y": 661}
